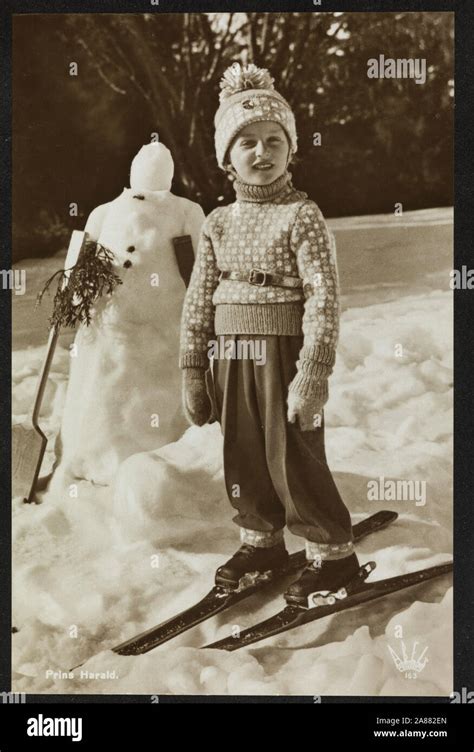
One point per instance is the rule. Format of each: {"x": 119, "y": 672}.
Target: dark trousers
{"x": 275, "y": 473}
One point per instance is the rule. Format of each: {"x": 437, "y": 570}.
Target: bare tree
{"x": 131, "y": 52}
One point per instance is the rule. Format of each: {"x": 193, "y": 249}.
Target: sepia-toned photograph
{"x": 232, "y": 353}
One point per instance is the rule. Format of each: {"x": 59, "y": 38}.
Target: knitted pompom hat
{"x": 248, "y": 96}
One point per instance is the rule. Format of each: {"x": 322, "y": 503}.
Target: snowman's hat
{"x": 152, "y": 168}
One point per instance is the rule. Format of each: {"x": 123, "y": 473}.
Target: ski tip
{"x": 387, "y": 515}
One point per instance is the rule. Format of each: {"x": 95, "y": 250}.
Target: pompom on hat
{"x": 248, "y": 96}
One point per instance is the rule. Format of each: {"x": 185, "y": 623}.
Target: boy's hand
{"x": 196, "y": 403}
{"x": 308, "y": 410}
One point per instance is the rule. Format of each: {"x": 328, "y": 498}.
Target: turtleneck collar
{"x": 263, "y": 193}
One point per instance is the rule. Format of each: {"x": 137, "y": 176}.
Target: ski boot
{"x": 251, "y": 565}
{"x": 327, "y": 577}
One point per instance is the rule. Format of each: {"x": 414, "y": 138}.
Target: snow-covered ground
{"x": 89, "y": 572}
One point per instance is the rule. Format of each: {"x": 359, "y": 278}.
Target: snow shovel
{"x": 28, "y": 440}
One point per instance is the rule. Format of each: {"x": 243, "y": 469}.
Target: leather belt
{"x": 262, "y": 278}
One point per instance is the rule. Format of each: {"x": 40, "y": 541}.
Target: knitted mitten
{"x": 308, "y": 392}
{"x": 306, "y": 409}
{"x": 196, "y": 403}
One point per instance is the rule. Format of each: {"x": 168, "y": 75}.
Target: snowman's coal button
{"x": 127, "y": 264}
{"x": 130, "y": 249}
{"x": 138, "y": 195}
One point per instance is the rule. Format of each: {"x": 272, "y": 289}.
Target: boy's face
{"x": 259, "y": 152}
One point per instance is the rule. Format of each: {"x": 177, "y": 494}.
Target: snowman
{"x": 124, "y": 390}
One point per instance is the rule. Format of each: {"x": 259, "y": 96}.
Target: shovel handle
{"x": 77, "y": 242}
{"x": 51, "y": 346}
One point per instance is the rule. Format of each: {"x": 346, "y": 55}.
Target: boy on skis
{"x": 266, "y": 271}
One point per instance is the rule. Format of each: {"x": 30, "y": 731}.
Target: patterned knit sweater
{"x": 278, "y": 229}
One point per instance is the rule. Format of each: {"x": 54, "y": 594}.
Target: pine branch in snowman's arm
{"x": 90, "y": 278}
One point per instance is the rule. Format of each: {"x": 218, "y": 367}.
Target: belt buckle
{"x": 258, "y": 277}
